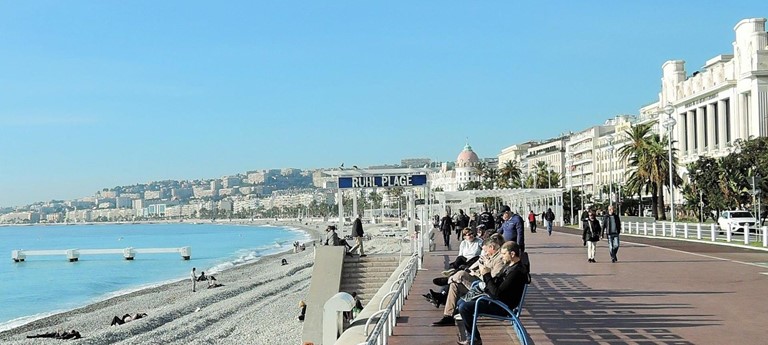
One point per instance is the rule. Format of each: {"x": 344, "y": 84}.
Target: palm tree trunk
{"x": 663, "y": 212}
{"x": 654, "y": 201}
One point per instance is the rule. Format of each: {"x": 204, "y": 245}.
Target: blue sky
{"x": 98, "y": 94}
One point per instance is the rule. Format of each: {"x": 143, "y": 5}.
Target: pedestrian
{"x": 357, "y": 232}
{"x": 446, "y": 226}
{"x": 591, "y": 235}
{"x": 194, "y": 279}
{"x": 549, "y": 217}
{"x": 532, "y": 221}
{"x": 462, "y": 222}
{"x": 512, "y": 228}
{"x": 611, "y": 229}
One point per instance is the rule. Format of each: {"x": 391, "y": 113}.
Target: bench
{"x": 513, "y": 315}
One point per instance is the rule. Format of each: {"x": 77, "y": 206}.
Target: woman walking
{"x": 591, "y": 235}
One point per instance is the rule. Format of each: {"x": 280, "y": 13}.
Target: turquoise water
{"x": 43, "y": 285}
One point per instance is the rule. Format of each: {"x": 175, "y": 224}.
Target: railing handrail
{"x": 385, "y": 316}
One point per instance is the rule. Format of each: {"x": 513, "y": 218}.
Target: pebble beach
{"x": 258, "y": 304}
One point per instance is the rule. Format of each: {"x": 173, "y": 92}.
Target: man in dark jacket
{"x": 612, "y": 228}
{"x": 512, "y": 229}
{"x": 357, "y": 232}
{"x": 506, "y": 287}
{"x": 446, "y": 226}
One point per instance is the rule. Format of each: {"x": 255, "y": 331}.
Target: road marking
{"x": 760, "y": 264}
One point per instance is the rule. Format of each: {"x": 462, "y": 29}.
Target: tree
{"x": 509, "y": 175}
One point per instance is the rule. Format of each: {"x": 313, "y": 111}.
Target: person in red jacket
{"x": 532, "y": 221}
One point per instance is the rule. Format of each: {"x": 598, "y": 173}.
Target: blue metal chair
{"x": 513, "y": 316}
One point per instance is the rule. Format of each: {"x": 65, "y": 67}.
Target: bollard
{"x": 685, "y": 230}
{"x": 765, "y": 236}
{"x": 654, "y": 230}
{"x": 745, "y": 231}
{"x": 698, "y": 231}
{"x": 728, "y": 233}
{"x": 645, "y": 229}
{"x": 672, "y": 230}
{"x": 714, "y": 235}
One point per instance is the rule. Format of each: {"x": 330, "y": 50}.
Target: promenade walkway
{"x": 660, "y": 292}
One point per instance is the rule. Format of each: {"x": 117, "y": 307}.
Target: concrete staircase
{"x": 366, "y": 275}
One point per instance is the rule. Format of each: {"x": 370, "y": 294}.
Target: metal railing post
{"x": 698, "y": 231}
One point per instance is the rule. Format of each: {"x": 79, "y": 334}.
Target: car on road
{"x": 736, "y": 220}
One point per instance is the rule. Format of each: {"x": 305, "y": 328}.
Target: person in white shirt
{"x": 469, "y": 252}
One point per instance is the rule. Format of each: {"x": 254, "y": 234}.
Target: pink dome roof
{"x": 467, "y": 156}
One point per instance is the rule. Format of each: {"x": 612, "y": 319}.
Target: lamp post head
{"x": 669, "y": 123}
{"x": 669, "y": 109}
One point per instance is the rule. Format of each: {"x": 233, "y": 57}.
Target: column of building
{"x": 701, "y": 115}
{"x": 690, "y": 132}
{"x": 721, "y": 123}
{"x": 711, "y": 125}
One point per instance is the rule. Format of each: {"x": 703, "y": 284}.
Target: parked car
{"x": 735, "y": 221}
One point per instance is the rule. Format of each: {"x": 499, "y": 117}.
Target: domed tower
{"x": 466, "y": 164}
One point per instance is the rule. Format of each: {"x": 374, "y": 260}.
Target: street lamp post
{"x": 701, "y": 206}
{"x": 581, "y": 170}
{"x": 610, "y": 172}
{"x": 669, "y": 124}
{"x": 570, "y": 181}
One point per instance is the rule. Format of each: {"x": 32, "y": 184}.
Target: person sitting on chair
{"x": 469, "y": 252}
{"x": 506, "y": 288}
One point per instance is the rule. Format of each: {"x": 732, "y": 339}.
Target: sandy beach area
{"x": 258, "y": 304}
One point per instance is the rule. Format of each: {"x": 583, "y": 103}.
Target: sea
{"x": 44, "y": 285}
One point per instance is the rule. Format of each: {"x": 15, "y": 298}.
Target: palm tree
{"x": 481, "y": 169}
{"x": 509, "y": 175}
{"x": 636, "y": 154}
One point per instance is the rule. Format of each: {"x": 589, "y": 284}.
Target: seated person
{"x": 73, "y": 334}
{"x": 212, "y": 283}
{"x": 469, "y": 252}
{"x": 506, "y": 288}
{"x": 332, "y": 238}
{"x": 127, "y": 318}
{"x": 202, "y": 277}
{"x": 460, "y": 283}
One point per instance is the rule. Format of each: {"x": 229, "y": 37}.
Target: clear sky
{"x": 97, "y": 94}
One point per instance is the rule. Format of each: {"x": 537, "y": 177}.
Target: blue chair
{"x": 513, "y": 316}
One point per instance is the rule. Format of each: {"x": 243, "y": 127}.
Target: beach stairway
{"x": 366, "y": 275}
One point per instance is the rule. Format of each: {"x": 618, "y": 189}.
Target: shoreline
{"x": 77, "y": 317}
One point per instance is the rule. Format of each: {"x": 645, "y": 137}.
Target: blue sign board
{"x": 383, "y": 181}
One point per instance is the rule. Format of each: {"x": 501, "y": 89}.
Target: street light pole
{"x": 701, "y": 206}
{"x": 610, "y": 172}
{"x": 669, "y": 124}
{"x": 570, "y": 181}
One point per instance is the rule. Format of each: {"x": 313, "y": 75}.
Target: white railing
{"x": 705, "y": 232}
{"x": 388, "y": 316}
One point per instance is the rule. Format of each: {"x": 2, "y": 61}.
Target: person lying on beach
{"x": 127, "y": 318}
{"x": 73, "y": 334}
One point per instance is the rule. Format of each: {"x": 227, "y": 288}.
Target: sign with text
{"x": 383, "y": 181}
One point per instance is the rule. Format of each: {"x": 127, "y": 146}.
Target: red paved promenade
{"x": 660, "y": 292}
